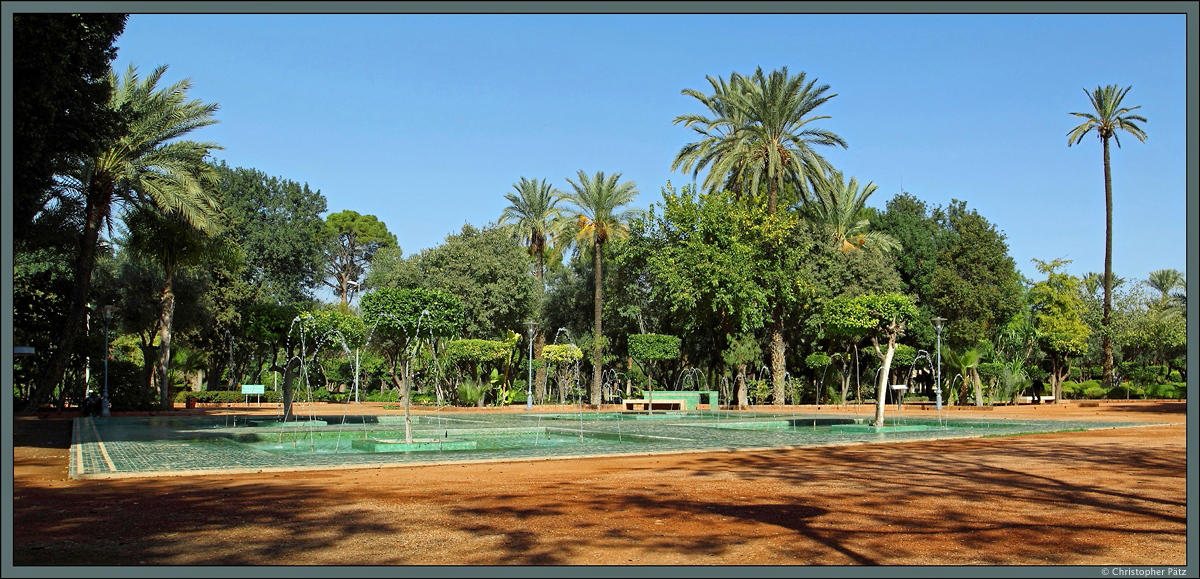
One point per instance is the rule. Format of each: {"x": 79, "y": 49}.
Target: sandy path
{"x": 1105, "y": 497}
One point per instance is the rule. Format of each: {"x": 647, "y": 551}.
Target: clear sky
{"x": 426, "y": 121}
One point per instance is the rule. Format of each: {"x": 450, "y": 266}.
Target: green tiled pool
{"x": 164, "y": 446}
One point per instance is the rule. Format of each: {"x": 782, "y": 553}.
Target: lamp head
{"x": 937, "y": 322}
{"x": 107, "y": 311}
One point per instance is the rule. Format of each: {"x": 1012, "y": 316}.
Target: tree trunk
{"x": 778, "y": 364}
{"x": 165, "y": 317}
{"x": 978, "y": 386}
{"x": 99, "y": 202}
{"x": 596, "y": 367}
{"x": 743, "y": 394}
{"x": 881, "y": 389}
{"x": 290, "y": 370}
{"x": 539, "y": 344}
{"x": 1106, "y": 321}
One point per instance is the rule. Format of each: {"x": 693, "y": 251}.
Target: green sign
{"x": 253, "y": 389}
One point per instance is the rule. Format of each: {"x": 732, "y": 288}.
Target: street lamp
{"x": 107, "y": 311}
{"x": 937, "y": 324}
{"x": 529, "y": 382}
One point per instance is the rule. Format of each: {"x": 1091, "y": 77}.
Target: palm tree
{"x": 1167, "y": 282}
{"x": 837, "y": 206}
{"x": 534, "y": 217}
{"x": 759, "y": 134}
{"x": 145, "y": 164}
{"x": 966, "y": 365}
{"x": 596, "y": 221}
{"x": 536, "y": 221}
{"x": 717, "y": 133}
{"x": 1109, "y": 118}
{"x": 172, "y": 243}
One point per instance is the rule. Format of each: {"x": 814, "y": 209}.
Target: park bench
{"x": 1029, "y": 399}
{"x": 658, "y": 404}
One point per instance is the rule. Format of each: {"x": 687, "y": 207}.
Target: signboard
{"x": 253, "y": 389}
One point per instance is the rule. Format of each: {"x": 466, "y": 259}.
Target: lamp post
{"x": 107, "y": 311}
{"x": 937, "y": 324}
{"x": 529, "y": 382}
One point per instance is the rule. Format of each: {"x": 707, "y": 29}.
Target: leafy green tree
{"x": 597, "y": 216}
{"x": 838, "y": 207}
{"x": 146, "y": 164}
{"x": 278, "y": 224}
{"x": 485, "y": 269}
{"x": 726, "y": 267}
{"x": 975, "y": 283}
{"x": 399, "y": 319}
{"x": 881, "y": 317}
{"x": 651, "y": 348}
{"x": 760, "y": 132}
{"x": 1151, "y": 327}
{"x": 60, "y": 102}
{"x": 354, "y": 241}
{"x": 329, "y": 334}
{"x": 1108, "y": 120}
{"x": 563, "y": 357}
{"x": 1058, "y": 313}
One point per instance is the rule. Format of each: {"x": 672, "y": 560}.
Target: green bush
{"x": 1127, "y": 390}
{"x": 470, "y": 393}
{"x": 1070, "y": 389}
{"x": 1167, "y": 391}
{"x": 651, "y": 347}
{"x": 817, "y": 360}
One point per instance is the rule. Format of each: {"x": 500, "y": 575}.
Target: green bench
{"x": 686, "y": 400}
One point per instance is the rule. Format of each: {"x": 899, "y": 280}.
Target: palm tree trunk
{"x": 165, "y": 317}
{"x": 778, "y": 365}
{"x": 99, "y": 202}
{"x": 978, "y": 386}
{"x": 596, "y": 368}
{"x": 1106, "y": 321}
{"x": 539, "y": 337}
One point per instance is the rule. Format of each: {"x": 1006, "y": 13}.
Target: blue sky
{"x": 426, "y": 121}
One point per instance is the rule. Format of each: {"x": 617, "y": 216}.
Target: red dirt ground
{"x": 1105, "y": 497}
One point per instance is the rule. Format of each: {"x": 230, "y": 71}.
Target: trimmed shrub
{"x": 817, "y": 360}
{"x": 651, "y": 347}
{"x": 1070, "y": 388}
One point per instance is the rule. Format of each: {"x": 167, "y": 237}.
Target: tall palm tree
{"x": 837, "y": 206}
{"x": 145, "y": 164}
{"x": 1109, "y": 118}
{"x": 535, "y": 218}
{"x": 597, "y": 220}
{"x": 537, "y": 221}
{"x": 760, "y": 132}
{"x": 717, "y": 132}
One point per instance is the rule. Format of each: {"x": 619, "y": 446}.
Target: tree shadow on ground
{"x": 861, "y": 505}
